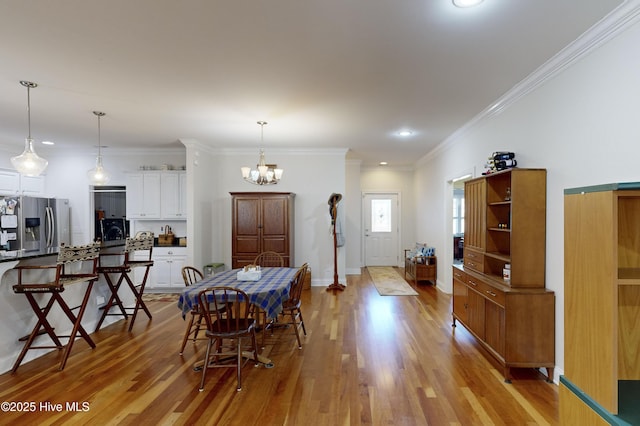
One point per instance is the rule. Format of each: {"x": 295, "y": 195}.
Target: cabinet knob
{"x": 472, "y": 283}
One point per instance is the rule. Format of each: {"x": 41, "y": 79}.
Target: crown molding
{"x": 379, "y": 168}
{"x": 610, "y": 26}
{"x": 288, "y": 151}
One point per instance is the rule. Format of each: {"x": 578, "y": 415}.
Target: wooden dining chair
{"x": 266, "y": 259}
{"x": 269, "y": 258}
{"x": 227, "y": 313}
{"x": 291, "y": 312}
{"x": 191, "y": 275}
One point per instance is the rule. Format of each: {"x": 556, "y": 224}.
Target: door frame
{"x": 448, "y": 225}
{"x": 363, "y": 253}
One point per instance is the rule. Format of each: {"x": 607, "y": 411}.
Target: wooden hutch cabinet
{"x": 601, "y": 383}
{"x": 261, "y": 221}
{"x": 505, "y": 226}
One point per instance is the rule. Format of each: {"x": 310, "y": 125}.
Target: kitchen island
{"x": 18, "y": 316}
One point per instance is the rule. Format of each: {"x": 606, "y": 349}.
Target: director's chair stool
{"x": 132, "y": 245}
{"x": 69, "y": 259}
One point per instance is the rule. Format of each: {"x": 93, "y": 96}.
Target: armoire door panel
{"x": 279, "y": 245}
{"x": 247, "y": 218}
{"x": 247, "y": 245}
{"x": 274, "y": 217}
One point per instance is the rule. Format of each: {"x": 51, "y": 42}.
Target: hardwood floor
{"x": 366, "y": 360}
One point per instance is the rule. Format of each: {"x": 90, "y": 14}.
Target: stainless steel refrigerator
{"x": 34, "y": 224}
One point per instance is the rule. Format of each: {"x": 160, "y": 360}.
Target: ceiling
{"x": 324, "y": 73}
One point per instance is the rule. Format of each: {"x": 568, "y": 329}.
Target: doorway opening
{"x": 110, "y": 213}
{"x": 457, "y": 218}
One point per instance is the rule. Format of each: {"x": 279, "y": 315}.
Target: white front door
{"x": 381, "y": 229}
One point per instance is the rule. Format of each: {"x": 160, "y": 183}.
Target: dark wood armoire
{"x": 261, "y": 221}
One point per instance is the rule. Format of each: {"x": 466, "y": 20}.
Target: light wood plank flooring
{"x": 367, "y": 360}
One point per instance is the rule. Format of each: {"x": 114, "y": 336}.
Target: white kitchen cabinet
{"x": 12, "y": 183}
{"x": 167, "y": 267}
{"x": 143, "y": 195}
{"x": 173, "y": 195}
{"x": 32, "y": 185}
{"x": 9, "y": 182}
{"x": 157, "y": 195}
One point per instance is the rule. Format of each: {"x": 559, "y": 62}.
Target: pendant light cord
{"x": 99, "y": 114}
{"x": 99, "y": 144}
{"x": 29, "y": 109}
{"x": 262, "y": 123}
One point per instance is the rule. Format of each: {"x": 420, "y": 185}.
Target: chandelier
{"x": 29, "y": 163}
{"x": 263, "y": 174}
{"x": 98, "y": 175}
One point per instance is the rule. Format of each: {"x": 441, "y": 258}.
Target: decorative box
{"x": 249, "y": 275}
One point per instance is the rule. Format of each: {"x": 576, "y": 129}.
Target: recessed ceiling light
{"x": 47, "y": 143}
{"x": 405, "y": 133}
{"x": 383, "y": 163}
{"x": 466, "y": 3}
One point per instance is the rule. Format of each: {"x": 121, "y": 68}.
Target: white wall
{"x": 204, "y": 226}
{"x": 313, "y": 175}
{"x": 351, "y": 206}
{"x": 582, "y": 126}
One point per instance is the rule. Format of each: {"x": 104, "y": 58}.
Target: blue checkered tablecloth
{"x": 268, "y": 293}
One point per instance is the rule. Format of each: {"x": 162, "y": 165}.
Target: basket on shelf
{"x": 167, "y": 238}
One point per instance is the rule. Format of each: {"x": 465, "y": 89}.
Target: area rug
{"x": 161, "y": 297}
{"x": 388, "y": 282}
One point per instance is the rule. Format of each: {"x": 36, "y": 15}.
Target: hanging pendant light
{"x": 29, "y": 163}
{"x": 262, "y": 174}
{"x": 98, "y": 175}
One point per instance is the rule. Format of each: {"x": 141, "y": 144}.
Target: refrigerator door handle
{"x": 50, "y": 225}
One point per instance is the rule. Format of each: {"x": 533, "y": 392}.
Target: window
{"x": 381, "y": 215}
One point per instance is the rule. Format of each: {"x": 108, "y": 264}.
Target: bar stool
{"x": 68, "y": 270}
{"x": 132, "y": 245}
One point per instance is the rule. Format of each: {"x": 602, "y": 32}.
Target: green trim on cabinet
{"x": 628, "y": 397}
{"x": 619, "y": 186}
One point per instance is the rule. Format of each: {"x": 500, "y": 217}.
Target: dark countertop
{"x": 22, "y": 255}
{"x": 176, "y": 243}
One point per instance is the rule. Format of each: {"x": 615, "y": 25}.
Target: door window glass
{"x": 381, "y": 215}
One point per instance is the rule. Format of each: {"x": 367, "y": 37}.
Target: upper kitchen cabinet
{"x": 13, "y": 183}
{"x": 9, "y": 182}
{"x": 143, "y": 195}
{"x": 157, "y": 195}
{"x": 173, "y": 196}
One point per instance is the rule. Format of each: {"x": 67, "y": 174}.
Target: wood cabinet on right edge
{"x": 601, "y": 381}
{"x": 513, "y": 316}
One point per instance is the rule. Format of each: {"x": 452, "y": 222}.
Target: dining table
{"x": 267, "y": 293}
